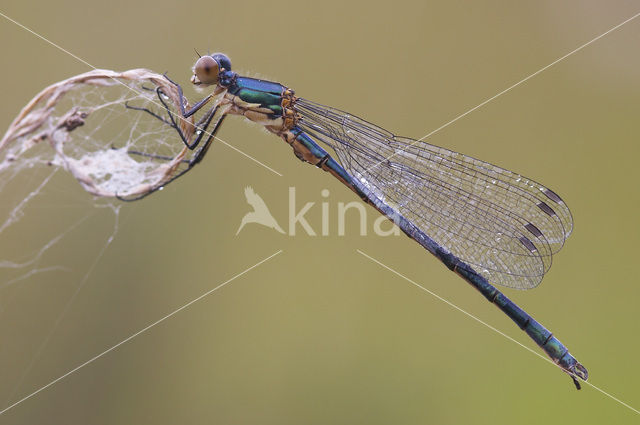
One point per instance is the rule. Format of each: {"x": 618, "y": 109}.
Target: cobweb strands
{"x": 111, "y": 133}
{"x": 83, "y": 126}
{"x": 90, "y": 127}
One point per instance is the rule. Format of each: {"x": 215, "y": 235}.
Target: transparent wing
{"x": 504, "y": 225}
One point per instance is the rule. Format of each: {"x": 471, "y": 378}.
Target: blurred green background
{"x": 320, "y": 334}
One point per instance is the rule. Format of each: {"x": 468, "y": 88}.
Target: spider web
{"x": 81, "y": 127}
{"x": 79, "y": 130}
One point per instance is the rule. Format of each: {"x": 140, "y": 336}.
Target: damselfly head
{"x": 207, "y": 68}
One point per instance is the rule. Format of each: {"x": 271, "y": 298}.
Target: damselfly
{"x": 483, "y": 222}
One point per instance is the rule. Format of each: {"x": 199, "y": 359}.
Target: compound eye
{"x": 206, "y": 70}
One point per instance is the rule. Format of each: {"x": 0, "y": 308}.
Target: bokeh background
{"x": 320, "y": 334}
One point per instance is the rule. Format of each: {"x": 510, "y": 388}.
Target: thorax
{"x": 264, "y": 102}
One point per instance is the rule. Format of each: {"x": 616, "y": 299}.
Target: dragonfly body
{"x": 302, "y": 123}
{"x": 273, "y": 106}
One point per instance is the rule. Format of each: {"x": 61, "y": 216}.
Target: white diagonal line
{"x": 487, "y": 325}
{"x": 577, "y": 49}
{"x": 129, "y": 338}
{"x": 130, "y": 88}
{"x": 444, "y": 300}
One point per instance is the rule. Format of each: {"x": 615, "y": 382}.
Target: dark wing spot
{"x": 533, "y": 229}
{"x": 528, "y": 244}
{"x": 553, "y": 196}
{"x": 547, "y": 209}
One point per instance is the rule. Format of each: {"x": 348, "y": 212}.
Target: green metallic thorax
{"x": 265, "y": 93}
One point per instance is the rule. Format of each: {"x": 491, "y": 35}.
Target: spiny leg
{"x": 151, "y": 155}
{"x": 203, "y": 150}
{"x": 192, "y": 163}
{"x": 205, "y": 119}
{"x": 202, "y": 130}
{"x": 148, "y": 111}
{"x": 163, "y": 120}
{"x": 195, "y": 108}
{"x": 183, "y": 112}
{"x": 160, "y": 95}
{"x": 143, "y": 87}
